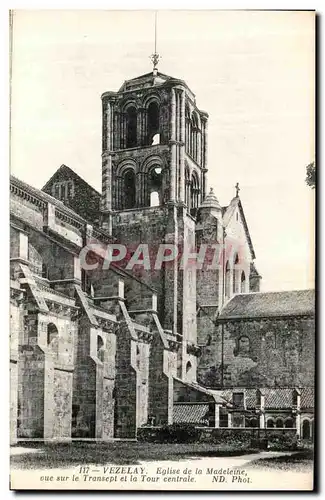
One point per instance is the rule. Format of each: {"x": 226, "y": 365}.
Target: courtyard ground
{"x": 39, "y": 455}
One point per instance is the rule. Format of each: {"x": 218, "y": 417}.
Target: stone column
{"x": 182, "y": 148}
{"x": 172, "y": 193}
{"x": 107, "y": 118}
{"x": 229, "y": 420}
{"x": 139, "y": 190}
{"x": 107, "y": 182}
{"x": 262, "y": 409}
{"x": 298, "y": 423}
{"x": 123, "y": 130}
{"x": 205, "y": 143}
{"x": 199, "y": 147}
{"x": 116, "y": 134}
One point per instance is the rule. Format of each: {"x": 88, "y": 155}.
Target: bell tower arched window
{"x": 153, "y": 124}
{"x": 155, "y": 186}
{"x": 194, "y": 191}
{"x": 129, "y": 189}
{"x": 131, "y": 127}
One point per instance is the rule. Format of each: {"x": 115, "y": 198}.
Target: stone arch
{"x": 124, "y": 165}
{"x": 279, "y": 423}
{"x": 306, "y": 429}
{"x": 154, "y": 180}
{"x": 270, "y": 423}
{"x": 125, "y": 184}
{"x": 148, "y": 99}
{"x": 195, "y": 190}
{"x": 289, "y": 423}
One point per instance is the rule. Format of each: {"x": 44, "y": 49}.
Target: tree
{"x": 311, "y": 175}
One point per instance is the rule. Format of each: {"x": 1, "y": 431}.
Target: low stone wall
{"x": 240, "y": 437}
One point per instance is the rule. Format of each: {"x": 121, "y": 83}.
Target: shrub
{"x": 285, "y": 441}
{"x": 175, "y": 433}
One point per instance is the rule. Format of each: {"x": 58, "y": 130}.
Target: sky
{"x": 252, "y": 71}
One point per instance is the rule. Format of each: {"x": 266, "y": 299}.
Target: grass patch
{"x": 301, "y": 461}
{"x": 61, "y": 455}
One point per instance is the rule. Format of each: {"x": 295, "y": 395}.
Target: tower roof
{"x": 211, "y": 201}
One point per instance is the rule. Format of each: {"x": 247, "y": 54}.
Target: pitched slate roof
{"x": 64, "y": 169}
{"x": 227, "y": 215}
{"x": 266, "y": 304}
{"x": 191, "y": 413}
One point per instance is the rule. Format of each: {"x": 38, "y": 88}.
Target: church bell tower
{"x": 154, "y": 154}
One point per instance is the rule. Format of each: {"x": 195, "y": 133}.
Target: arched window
{"x": 306, "y": 434}
{"x": 288, "y": 423}
{"x": 153, "y": 123}
{"x": 270, "y": 423}
{"x": 253, "y": 422}
{"x": 243, "y": 282}
{"x": 100, "y": 348}
{"x": 234, "y": 274}
{"x": 243, "y": 346}
{"x": 227, "y": 281}
{"x": 129, "y": 189}
{"x": 155, "y": 187}
{"x": 279, "y": 423}
{"x": 188, "y": 366}
{"x": 187, "y": 187}
{"x": 194, "y": 191}
{"x": 154, "y": 199}
{"x": 53, "y": 338}
{"x": 131, "y": 127}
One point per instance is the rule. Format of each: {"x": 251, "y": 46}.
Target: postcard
{"x": 162, "y": 227}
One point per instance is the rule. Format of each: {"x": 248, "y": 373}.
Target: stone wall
{"x": 261, "y": 353}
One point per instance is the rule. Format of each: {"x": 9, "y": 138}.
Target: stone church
{"x": 99, "y": 351}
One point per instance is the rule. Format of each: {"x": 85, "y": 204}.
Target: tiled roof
{"x": 278, "y": 398}
{"x": 191, "y": 413}
{"x": 251, "y": 305}
{"x": 275, "y": 398}
{"x": 307, "y": 397}
{"x": 250, "y": 398}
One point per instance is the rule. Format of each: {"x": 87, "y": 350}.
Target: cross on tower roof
{"x": 237, "y": 190}
{"x": 155, "y": 56}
